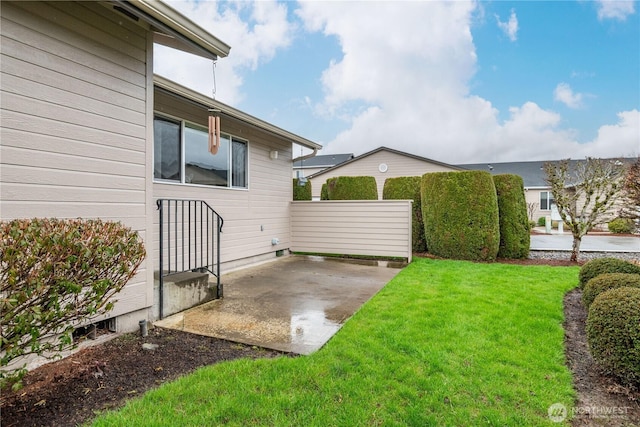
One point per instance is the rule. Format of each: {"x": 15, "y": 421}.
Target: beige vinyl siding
{"x": 74, "y": 119}
{"x": 253, "y": 216}
{"x": 374, "y": 228}
{"x": 532, "y": 195}
{"x": 397, "y": 165}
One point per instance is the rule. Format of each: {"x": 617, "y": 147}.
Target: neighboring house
{"x": 381, "y": 163}
{"x": 79, "y": 109}
{"x": 312, "y": 165}
{"x": 537, "y": 192}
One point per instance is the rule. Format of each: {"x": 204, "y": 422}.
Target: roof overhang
{"x": 173, "y": 29}
{"x": 225, "y": 110}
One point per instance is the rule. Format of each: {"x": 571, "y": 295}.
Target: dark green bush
{"x": 599, "y": 266}
{"x": 542, "y": 221}
{"x": 606, "y": 281}
{"x": 408, "y": 188}
{"x": 352, "y": 188}
{"x": 613, "y": 333}
{"x": 621, "y": 226}
{"x": 532, "y": 224}
{"x": 56, "y": 274}
{"x": 301, "y": 192}
{"x": 514, "y": 223}
{"x": 324, "y": 195}
{"x": 460, "y": 215}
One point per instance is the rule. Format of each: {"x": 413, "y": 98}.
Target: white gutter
{"x": 172, "y": 23}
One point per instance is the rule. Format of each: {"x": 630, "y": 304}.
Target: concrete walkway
{"x": 590, "y": 243}
{"x": 294, "y": 304}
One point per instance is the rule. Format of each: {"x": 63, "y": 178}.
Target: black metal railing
{"x": 189, "y": 240}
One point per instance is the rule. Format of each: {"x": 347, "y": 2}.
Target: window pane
{"x": 544, "y": 201}
{"x": 202, "y": 167}
{"x": 166, "y": 149}
{"x": 239, "y": 170}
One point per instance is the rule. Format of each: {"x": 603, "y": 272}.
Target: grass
{"x": 445, "y": 343}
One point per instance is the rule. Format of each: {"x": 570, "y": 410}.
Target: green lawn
{"x": 445, "y": 343}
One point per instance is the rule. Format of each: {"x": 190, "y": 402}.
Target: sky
{"x": 456, "y": 81}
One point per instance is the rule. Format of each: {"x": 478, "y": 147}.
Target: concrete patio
{"x": 294, "y": 304}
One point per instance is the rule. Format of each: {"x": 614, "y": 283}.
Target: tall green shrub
{"x": 56, "y": 274}
{"x": 352, "y": 188}
{"x": 324, "y": 194}
{"x": 460, "y": 215}
{"x": 408, "y": 188}
{"x": 514, "y": 223}
{"x": 301, "y": 192}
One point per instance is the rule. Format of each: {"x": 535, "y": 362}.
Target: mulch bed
{"x": 73, "y": 390}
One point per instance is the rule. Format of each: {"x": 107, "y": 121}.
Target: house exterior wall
{"x": 358, "y": 227}
{"x": 397, "y": 165}
{"x": 253, "y": 216}
{"x": 532, "y": 195}
{"x": 74, "y": 91}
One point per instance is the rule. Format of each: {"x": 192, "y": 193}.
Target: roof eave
{"x": 207, "y": 102}
{"x": 165, "y": 18}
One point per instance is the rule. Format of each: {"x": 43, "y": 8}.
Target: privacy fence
{"x": 380, "y": 228}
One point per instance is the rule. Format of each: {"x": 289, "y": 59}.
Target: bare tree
{"x": 631, "y": 192}
{"x": 585, "y": 193}
{"x": 531, "y": 209}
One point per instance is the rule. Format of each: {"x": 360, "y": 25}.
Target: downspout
{"x": 305, "y": 157}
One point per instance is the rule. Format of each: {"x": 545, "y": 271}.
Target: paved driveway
{"x": 590, "y": 242}
{"x": 293, "y": 304}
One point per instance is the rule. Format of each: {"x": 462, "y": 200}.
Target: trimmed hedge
{"x": 352, "y": 188}
{"x": 613, "y": 333}
{"x": 301, "y": 192}
{"x": 324, "y": 195}
{"x": 408, "y": 188}
{"x": 606, "y": 281}
{"x": 514, "y": 222}
{"x": 599, "y": 266}
{"x": 621, "y": 226}
{"x": 460, "y": 215}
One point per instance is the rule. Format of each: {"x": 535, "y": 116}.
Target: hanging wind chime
{"x": 214, "y": 119}
{"x": 214, "y": 131}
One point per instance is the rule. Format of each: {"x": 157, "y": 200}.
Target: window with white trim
{"x": 546, "y": 200}
{"x": 181, "y": 155}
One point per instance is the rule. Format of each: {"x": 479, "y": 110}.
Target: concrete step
{"x": 182, "y": 291}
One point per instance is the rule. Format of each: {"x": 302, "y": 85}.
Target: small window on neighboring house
{"x": 227, "y": 168}
{"x": 546, "y": 200}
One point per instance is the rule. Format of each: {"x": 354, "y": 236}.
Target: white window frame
{"x": 550, "y": 200}
{"x": 183, "y": 125}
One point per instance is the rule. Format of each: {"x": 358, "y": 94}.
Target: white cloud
{"x": 510, "y": 27}
{"x": 615, "y": 9}
{"x": 402, "y": 81}
{"x": 409, "y": 89}
{"x": 621, "y": 139}
{"x": 565, "y": 94}
{"x": 255, "y": 31}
